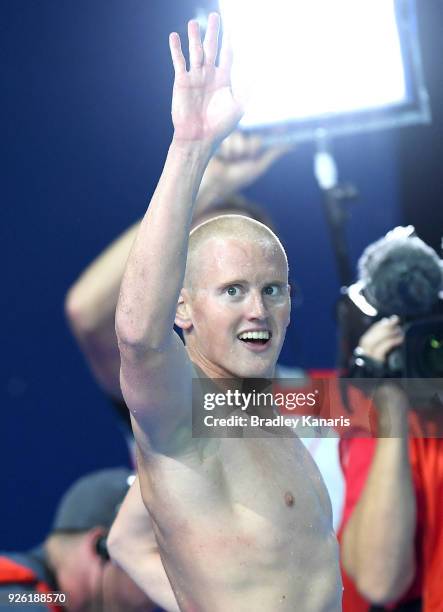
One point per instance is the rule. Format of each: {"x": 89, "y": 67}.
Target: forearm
{"x": 156, "y": 265}
{"x": 378, "y": 542}
{"x": 90, "y": 308}
{"x": 92, "y": 300}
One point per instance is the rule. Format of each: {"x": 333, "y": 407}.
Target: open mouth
{"x": 255, "y": 338}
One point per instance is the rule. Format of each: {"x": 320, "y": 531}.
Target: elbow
{"x": 73, "y": 309}
{"x": 131, "y": 338}
{"x": 379, "y": 593}
{"x": 378, "y": 578}
{"x": 139, "y": 340}
{"x": 79, "y": 311}
{"x": 381, "y": 588}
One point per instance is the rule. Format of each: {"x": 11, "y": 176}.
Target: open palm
{"x": 203, "y": 105}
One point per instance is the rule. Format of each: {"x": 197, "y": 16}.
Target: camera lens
{"x": 432, "y": 356}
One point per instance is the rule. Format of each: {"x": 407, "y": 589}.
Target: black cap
{"x": 93, "y": 500}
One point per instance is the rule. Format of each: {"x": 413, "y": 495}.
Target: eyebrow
{"x": 234, "y": 282}
{"x": 280, "y": 283}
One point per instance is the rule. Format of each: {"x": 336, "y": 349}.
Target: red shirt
{"x": 426, "y": 457}
{"x": 13, "y": 573}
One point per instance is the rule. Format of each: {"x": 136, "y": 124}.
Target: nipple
{"x": 289, "y": 499}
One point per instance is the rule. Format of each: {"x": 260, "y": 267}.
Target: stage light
{"x": 336, "y": 66}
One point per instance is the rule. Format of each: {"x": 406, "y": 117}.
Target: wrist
{"x": 364, "y": 365}
{"x": 189, "y": 159}
{"x": 393, "y": 410}
{"x": 192, "y": 149}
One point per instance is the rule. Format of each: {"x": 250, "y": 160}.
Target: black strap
{"x": 409, "y": 606}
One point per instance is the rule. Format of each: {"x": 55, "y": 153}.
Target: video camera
{"x": 421, "y": 354}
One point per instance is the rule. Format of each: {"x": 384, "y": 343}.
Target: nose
{"x": 256, "y": 308}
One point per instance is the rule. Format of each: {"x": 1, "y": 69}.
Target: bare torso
{"x": 244, "y": 525}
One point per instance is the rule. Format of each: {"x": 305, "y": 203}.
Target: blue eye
{"x": 232, "y": 291}
{"x": 271, "y": 290}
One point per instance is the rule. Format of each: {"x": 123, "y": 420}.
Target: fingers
{"x": 195, "y": 45}
{"x": 389, "y": 328}
{"x": 199, "y": 53}
{"x": 392, "y": 320}
{"x": 210, "y": 45}
{"x": 385, "y": 347}
{"x": 239, "y": 146}
{"x": 385, "y": 327}
{"x": 177, "y": 56}
{"x": 381, "y": 338}
{"x": 272, "y": 154}
{"x": 250, "y": 147}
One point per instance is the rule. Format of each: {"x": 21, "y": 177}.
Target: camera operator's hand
{"x": 381, "y": 338}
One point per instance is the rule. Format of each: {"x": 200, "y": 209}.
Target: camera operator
{"x": 400, "y": 280}
{"x": 392, "y": 532}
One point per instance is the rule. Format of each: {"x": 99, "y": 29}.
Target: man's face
{"x": 239, "y": 307}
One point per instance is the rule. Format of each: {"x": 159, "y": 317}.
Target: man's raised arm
{"x": 204, "y": 111}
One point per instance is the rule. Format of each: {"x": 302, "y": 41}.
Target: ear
{"x": 183, "y": 313}
{"x": 94, "y": 543}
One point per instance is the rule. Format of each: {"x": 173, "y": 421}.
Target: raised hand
{"x": 204, "y": 108}
{"x": 239, "y": 162}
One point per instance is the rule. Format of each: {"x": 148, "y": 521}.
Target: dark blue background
{"x": 85, "y": 126}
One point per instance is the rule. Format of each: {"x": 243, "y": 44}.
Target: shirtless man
{"x": 241, "y": 524}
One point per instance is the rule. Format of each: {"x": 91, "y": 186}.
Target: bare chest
{"x": 259, "y": 493}
{"x": 277, "y": 480}
{"x": 254, "y": 518}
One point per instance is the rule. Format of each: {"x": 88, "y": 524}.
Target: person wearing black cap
{"x": 73, "y": 559}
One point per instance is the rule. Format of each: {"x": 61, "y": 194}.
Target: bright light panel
{"x": 299, "y": 59}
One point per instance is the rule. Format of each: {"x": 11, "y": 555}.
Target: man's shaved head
{"x": 236, "y": 282}
{"x": 226, "y": 227}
